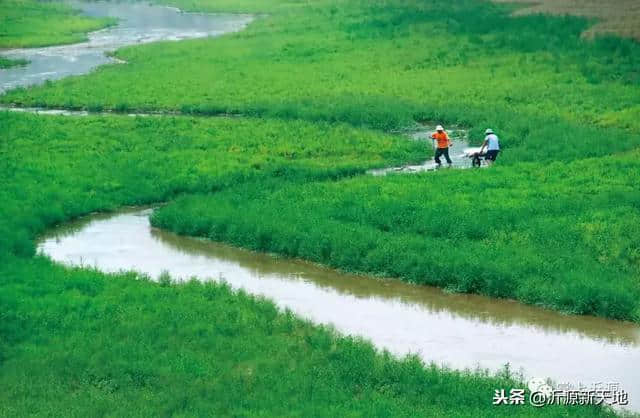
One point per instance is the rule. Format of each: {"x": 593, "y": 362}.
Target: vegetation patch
{"x": 8, "y": 63}
{"x": 381, "y": 64}
{"x": 75, "y": 342}
{"x": 31, "y": 23}
{"x": 556, "y": 217}
{"x": 54, "y": 168}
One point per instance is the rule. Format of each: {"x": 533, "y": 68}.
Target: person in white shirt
{"x": 492, "y": 143}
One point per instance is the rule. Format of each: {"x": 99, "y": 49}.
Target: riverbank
{"x": 567, "y": 242}
{"x": 353, "y": 67}
{"x": 89, "y": 343}
{"x": 395, "y": 316}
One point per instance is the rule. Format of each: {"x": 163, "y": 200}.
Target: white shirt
{"x": 492, "y": 142}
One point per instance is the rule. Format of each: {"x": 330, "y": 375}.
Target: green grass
{"x": 56, "y": 168}
{"x": 87, "y": 344}
{"x": 76, "y": 342}
{"x": 310, "y": 77}
{"x": 30, "y": 23}
{"x": 553, "y": 97}
{"x": 383, "y": 64}
{"x": 8, "y": 63}
{"x": 564, "y": 236}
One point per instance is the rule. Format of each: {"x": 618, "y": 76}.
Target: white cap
{"x": 488, "y": 131}
{"x": 439, "y": 128}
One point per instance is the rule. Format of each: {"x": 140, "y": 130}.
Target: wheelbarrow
{"x": 475, "y": 156}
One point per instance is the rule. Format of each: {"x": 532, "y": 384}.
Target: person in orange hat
{"x": 443, "y": 143}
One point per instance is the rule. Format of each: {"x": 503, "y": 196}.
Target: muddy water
{"x": 138, "y": 23}
{"x": 461, "y": 331}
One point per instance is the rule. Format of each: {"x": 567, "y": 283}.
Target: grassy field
{"x": 311, "y": 79}
{"x": 30, "y": 23}
{"x": 383, "y": 64}
{"x": 157, "y": 158}
{"x": 78, "y": 342}
{"x": 558, "y": 102}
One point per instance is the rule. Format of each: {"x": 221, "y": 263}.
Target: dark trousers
{"x": 493, "y": 154}
{"x": 442, "y": 151}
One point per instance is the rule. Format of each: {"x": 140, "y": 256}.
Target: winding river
{"x": 460, "y": 331}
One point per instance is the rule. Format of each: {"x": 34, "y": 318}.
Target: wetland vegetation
{"x": 563, "y": 236}
{"x": 31, "y": 23}
{"x": 8, "y": 63}
{"x": 318, "y": 84}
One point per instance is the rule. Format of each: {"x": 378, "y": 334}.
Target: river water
{"x": 460, "y": 331}
{"x": 138, "y": 23}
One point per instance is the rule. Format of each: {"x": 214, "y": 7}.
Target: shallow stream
{"x": 461, "y": 331}
{"x": 138, "y": 23}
